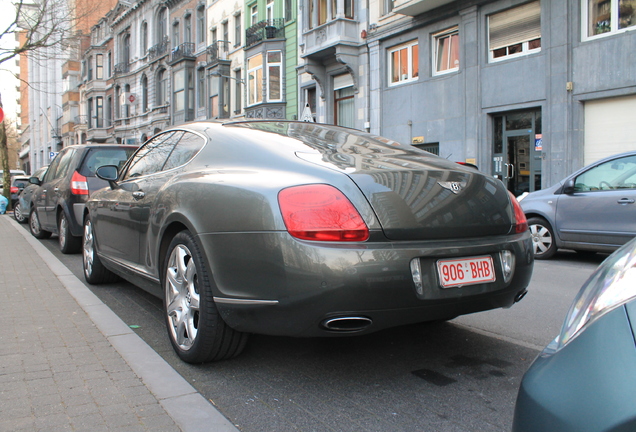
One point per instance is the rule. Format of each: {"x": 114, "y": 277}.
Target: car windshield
{"x": 108, "y": 156}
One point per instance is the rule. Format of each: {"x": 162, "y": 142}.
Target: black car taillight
{"x": 521, "y": 223}
{"x": 321, "y": 212}
{"x": 79, "y": 184}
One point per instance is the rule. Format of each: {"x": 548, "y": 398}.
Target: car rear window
{"x": 97, "y": 157}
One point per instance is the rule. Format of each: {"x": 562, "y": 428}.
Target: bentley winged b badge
{"x": 454, "y": 187}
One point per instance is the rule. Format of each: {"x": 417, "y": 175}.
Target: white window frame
{"x": 614, "y": 21}
{"x": 253, "y": 14}
{"x": 269, "y": 11}
{"x": 525, "y": 44}
{"x": 274, "y": 65}
{"x": 254, "y": 75}
{"x": 437, "y": 37}
{"x": 409, "y": 76}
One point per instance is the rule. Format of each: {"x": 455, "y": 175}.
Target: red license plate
{"x": 465, "y": 271}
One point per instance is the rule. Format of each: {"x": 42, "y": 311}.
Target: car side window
{"x": 187, "y": 147}
{"x": 50, "y": 174}
{"x": 65, "y": 164}
{"x": 611, "y": 175}
{"x": 153, "y": 155}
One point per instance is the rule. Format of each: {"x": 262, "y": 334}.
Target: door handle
{"x": 138, "y": 195}
{"x": 626, "y": 201}
{"x": 56, "y": 190}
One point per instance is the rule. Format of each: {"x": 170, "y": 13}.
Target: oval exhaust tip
{"x": 347, "y": 324}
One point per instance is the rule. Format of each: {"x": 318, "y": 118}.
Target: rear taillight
{"x": 14, "y": 189}
{"x": 521, "y": 223}
{"x": 321, "y": 212}
{"x": 79, "y": 185}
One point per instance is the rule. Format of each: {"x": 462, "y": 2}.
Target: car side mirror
{"x": 110, "y": 173}
{"x": 568, "y": 188}
{"x": 35, "y": 181}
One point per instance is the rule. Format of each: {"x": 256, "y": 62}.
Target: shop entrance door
{"x": 517, "y": 151}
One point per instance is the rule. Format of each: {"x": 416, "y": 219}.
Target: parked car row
{"x": 298, "y": 229}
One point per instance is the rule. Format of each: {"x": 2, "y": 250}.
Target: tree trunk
{"x": 4, "y": 156}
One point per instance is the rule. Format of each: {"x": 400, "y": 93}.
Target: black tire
{"x": 69, "y": 244}
{"x": 196, "y": 330}
{"x": 94, "y": 271}
{"x": 543, "y": 240}
{"x": 18, "y": 214}
{"x": 35, "y": 227}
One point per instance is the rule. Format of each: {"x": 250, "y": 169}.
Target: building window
{"x": 144, "y": 38}
{"x": 117, "y": 102}
{"x": 200, "y": 25}
{"x": 344, "y": 107}
{"x": 201, "y": 88}
{"x": 288, "y": 10}
{"x": 213, "y": 86}
{"x": 144, "y": 94}
{"x": 226, "y": 32}
{"x": 388, "y": 6}
{"x": 162, "y": 87}
{"x": 162, "y": 23}
{"x": 179, "y": 91}
{"x": 348, "y": 9}
{"x": 269, "y": 11}
{"x": 254, "y": 14}
{"x": 237, "y": 30}
{"x": 446, "y": 51}
{"x": 274, "y": 71}
{"x": 238, "y": 90}
{"x": 187, "y": 29}
{"x": 125, "y": 52}
{"x": 108, "y": 120}
{"x": 90, "y": 113}
{"x": 515, "y": 32}
{"x": 99, "y": 66}
{"x": 99, "y": 111}
{"x": 255, "y": 80}
{"x": 175, "y": 34}
{"x": 608, "y": 16}
{"x": 90, "y": 68}
{"x": 404, "y": 63}
{"x": 322, "y": 11}
{"x": 109, "y": 65}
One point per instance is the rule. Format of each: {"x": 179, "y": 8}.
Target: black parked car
{"x": 22, "y": 207}
{"x": 58, "y": 204}
{"x": 300, "y": 229}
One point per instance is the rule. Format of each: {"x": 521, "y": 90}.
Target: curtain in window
{"x": 345, "y": 107}
{"x": 515, "y": 25}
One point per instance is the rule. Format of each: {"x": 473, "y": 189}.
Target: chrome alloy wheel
{"x": 182, "y": 297}
{"x": 541, "y": 239}
{"x": 63, "y": 232}
{"x": 88, "y": 251}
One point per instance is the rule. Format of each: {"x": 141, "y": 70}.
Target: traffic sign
{"x": 1, "y": 114}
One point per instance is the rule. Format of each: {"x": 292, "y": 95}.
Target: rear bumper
{"x": 270, "y": 283}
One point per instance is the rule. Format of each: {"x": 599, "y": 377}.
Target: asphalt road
{"x": 445, "y": 377}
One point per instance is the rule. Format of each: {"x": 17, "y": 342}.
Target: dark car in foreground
{"x": 585, "y": 380}
{"x": 22, "y": 206}
{"x": 592, "y": 210}
{"x": 300, "y": 229}
{"x": 57, "y": 205}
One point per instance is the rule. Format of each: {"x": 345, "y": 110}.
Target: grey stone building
{"x": 528, "y": 91}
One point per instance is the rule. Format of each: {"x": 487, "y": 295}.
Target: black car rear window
{"x": 97, "y": 157}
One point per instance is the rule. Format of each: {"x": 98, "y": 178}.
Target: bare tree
{"x": 42, "y": 24}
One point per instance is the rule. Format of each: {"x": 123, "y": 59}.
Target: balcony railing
{"x": 122, "y": 68}
{"x": 81, "y": 120}
{"x": 158, "y": 50}
{"x": 217, "y": 51}
{"x": 267, "y": 29}
{"x": 185, "y": 50}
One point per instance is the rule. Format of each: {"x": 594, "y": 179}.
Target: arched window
{"x": 162, "y": 24}
{"x": 187, "y": 29}
{"x": 144, "y": 38}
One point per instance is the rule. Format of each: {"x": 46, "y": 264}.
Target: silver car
{"x": 591, "y": 210}
{"x": 300, "y": 229}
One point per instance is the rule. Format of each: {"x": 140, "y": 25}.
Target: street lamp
{"x": 216, "y": 73}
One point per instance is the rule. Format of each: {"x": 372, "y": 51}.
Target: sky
{"x": 8, "y": 82}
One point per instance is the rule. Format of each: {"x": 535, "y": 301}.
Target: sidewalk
{"x": 67, "y": 362}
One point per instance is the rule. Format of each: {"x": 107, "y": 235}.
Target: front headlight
{"x": 610, "y": 286}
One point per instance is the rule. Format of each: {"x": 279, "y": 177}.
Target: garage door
{"x": 610, "y": 127}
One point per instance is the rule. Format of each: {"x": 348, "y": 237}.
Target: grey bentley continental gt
{"x": 301, "y": 229}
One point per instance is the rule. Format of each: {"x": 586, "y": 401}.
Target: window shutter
{"x": 342, "y": 81}
{"x": 515, "y": 25}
